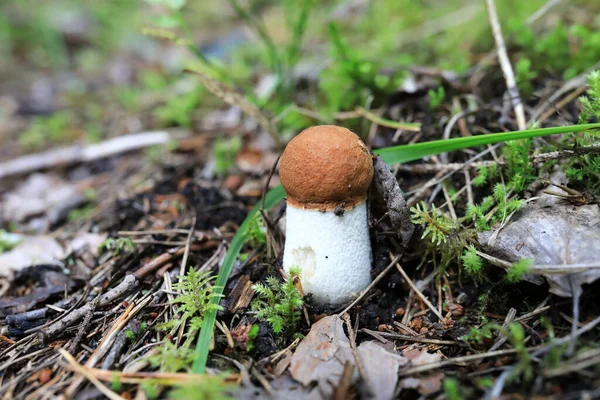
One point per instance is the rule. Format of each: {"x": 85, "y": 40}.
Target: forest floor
{"x": 127, "y": 171}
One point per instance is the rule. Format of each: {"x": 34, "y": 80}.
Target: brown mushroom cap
{"x": 325, "y": 167}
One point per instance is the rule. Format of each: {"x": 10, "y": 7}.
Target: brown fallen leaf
{"x": 322, "y": 354}
{"x": 429, "y": 383}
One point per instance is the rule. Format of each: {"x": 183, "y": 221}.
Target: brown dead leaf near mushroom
{"x": 322, "y": 354}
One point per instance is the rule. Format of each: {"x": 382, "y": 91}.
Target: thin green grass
{"x": 391, "y": 155}
{"x": 273, "y": 197}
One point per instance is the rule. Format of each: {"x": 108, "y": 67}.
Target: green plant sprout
{"x": 493, "y": 209}
{"x": 518, "y": 270}
{"x": 8, "y": 240}
{"x": 196, "y": 298}
{"x": 472, "y": 262}
{"x": 172, "y": 358}
{"x": 436, "y": 97}
{"x": 437, "y": 226}
{"x": 452, "y": 389}
{"x": 117, "y": 245}
{"x": 225, "y": 151}
{"x": 279, "y": 303}
{"x": 208, "y": 387}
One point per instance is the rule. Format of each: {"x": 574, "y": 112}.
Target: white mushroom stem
{"x": 333, "y": 252}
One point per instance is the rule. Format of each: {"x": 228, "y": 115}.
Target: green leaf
{"x": 174, "y": 5}
{"x": 412, "y": 152}
{"x": 273, "y": 197}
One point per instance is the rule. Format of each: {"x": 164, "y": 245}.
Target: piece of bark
{"x": 241, "y": 295}
{"x": 398, "y": 213}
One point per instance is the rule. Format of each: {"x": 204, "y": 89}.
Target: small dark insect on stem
{"x": 339, "y": 209}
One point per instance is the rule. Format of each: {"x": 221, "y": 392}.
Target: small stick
{"x": 510, "y": 317}
{"x": 359, "y": 363}
{"x": 375, "y": 281}
{"x": 418, "y": 292}
{"x": 341, "y": 391}
{"x": 186, "y": 252}
{"x": 407, "y": 338}
{"x": 77, "y": 154}
{"x": 84, "y": 371}
{"x": 458, "y": 360}
{"x": 423, "y": 169}
{"x": 507, "y": 70}
{"x": 567, "y": 153}
{"x": 268, "y": 224}
{"x": 129, "y": 282}
{"x": 83, "y": 326}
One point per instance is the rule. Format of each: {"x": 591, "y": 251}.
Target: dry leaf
{"x": 557, "y": 234}
{"x": 32, "y": 250}
{"x": 321, "y": 356}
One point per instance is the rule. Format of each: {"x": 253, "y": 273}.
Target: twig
{"x": 579, "y": 362}
{"x": 78, "y": 154}
{"x": 84, "y": 371}
{"x": 128, "y": 283}
{"x": 269, "y": 225}
{"x": 496, "y": 390}
{"x": 559, "y": 154}
{"x": 558, "y": 269}
{"x": 407, "y": 338}
{"x": 106, "y": 343}
{"x": 500, "y": 340}
{"x": 186, "y": 252}
{"x": 418, "y": 292}
{"x": 458, "y": 360}
{"x": 423, "y": 169}
{"x": 571, "y": 84}
{"x": 237, "y": 99}
{"x": 507, "y": 70}
{"x": 83, "y": 326}
{"x": 375, "y": 282}
{"x": 359, "y": 363}
{"x": 341, "y": 391}
{"x": 541, "y": 11}
{"x": 405, "y": 126}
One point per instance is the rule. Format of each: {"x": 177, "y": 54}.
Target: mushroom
{"x": 326, "y": 172}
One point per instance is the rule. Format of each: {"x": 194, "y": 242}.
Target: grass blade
{"x": 273, "y": 197}
{"x": 412, "y": 152}
{"x": 391, "y": 155}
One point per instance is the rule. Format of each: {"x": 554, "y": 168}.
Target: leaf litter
{"x": 104, "y": 304}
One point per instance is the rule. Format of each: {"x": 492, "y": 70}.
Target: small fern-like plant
{"x": 484, "y": 215}
{"x": 446, "y": 236}
{"x": 172, "y": 358}
{"x": 205, "y": 387}
{"x": 437, "y": 226}
{"x": 279, "y": 303}
{"x": 195, "y": 299}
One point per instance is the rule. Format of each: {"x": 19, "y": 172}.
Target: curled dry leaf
{"x": 556, "y": 234}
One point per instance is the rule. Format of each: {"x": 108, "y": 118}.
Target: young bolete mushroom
{"x": 326, "y": 172}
